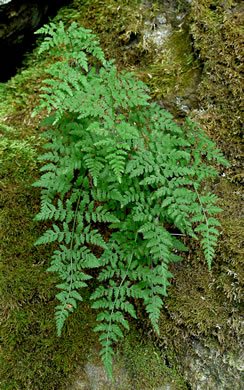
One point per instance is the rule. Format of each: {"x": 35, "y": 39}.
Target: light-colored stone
{"x": 93, "y": 376}
{"x": 206, "y": 368}
{"x": 2, "y": 2}
{"x": 156, "y": 33}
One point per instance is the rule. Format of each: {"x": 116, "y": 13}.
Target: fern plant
{"x": 118, "y": 164}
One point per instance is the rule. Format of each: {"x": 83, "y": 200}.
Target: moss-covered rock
{"x": 217, "y": 30}
{"x": 201, "y": 321}
{"x": 207, "y": 369}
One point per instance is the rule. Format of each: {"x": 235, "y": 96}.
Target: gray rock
{"x": 156, "y": 33}
{"x": 205, "y": 368}
{"x": 4, "y": 1}
{"x": 94, "y": 377}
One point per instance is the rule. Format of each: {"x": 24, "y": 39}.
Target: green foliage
{"x": 120, "y": 178}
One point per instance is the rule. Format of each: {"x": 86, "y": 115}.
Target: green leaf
{"x": 76, "y": 295}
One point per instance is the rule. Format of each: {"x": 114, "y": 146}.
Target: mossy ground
{"x": 200, "y": 304}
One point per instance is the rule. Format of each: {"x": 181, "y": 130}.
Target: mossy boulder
{"x": 201, "y": 323}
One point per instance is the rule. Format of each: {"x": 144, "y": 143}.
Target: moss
{"x": 207, "y": 305}
{"x": 218, "y": 38}
{"x": 230, "y": 248}
{"x": 32, "y": 355}
{"x": 18, "y": 157}
{"x": 149, "y": 366}
{"x": 175, "y": 71}
{"x": 116, "y": 24}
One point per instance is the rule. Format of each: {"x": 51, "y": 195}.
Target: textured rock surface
{"x": 173, "y": 72}
{"x": 207, "y": 369}
{"x": 18, "y": 20}
{"x": 94, "y": 377}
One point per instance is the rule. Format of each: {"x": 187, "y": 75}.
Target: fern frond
{"x": 153, "y": 306}
{"x": 117, "y": 172}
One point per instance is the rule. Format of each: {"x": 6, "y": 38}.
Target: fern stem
{"x": 71, "y": 246}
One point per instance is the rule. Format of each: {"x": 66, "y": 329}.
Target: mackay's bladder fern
{"x": 120, "y": 176}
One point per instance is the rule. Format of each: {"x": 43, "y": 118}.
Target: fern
{"x": 116, "y": 162}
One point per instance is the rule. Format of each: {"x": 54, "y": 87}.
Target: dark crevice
{"x": 19, "y": 19}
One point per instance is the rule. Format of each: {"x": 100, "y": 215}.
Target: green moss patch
{"x": 207, "y": 305}
{"x": 217, "y": 30}
{"x": 175, "y": 72}
{"x": 149, "y": 366}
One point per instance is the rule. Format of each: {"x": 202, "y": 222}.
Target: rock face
{"x": 18, "y": 20}
{"x": 207, "y": 369}
{"x": 94, "y": 377}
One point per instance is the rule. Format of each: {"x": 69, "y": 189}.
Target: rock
{"x": 4, "y": 1}
{"x": 156, "y": 33}
{"x": 94, "y": 377}
{"x": 205, "y": 368}
{"x": 18, "y": 21}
